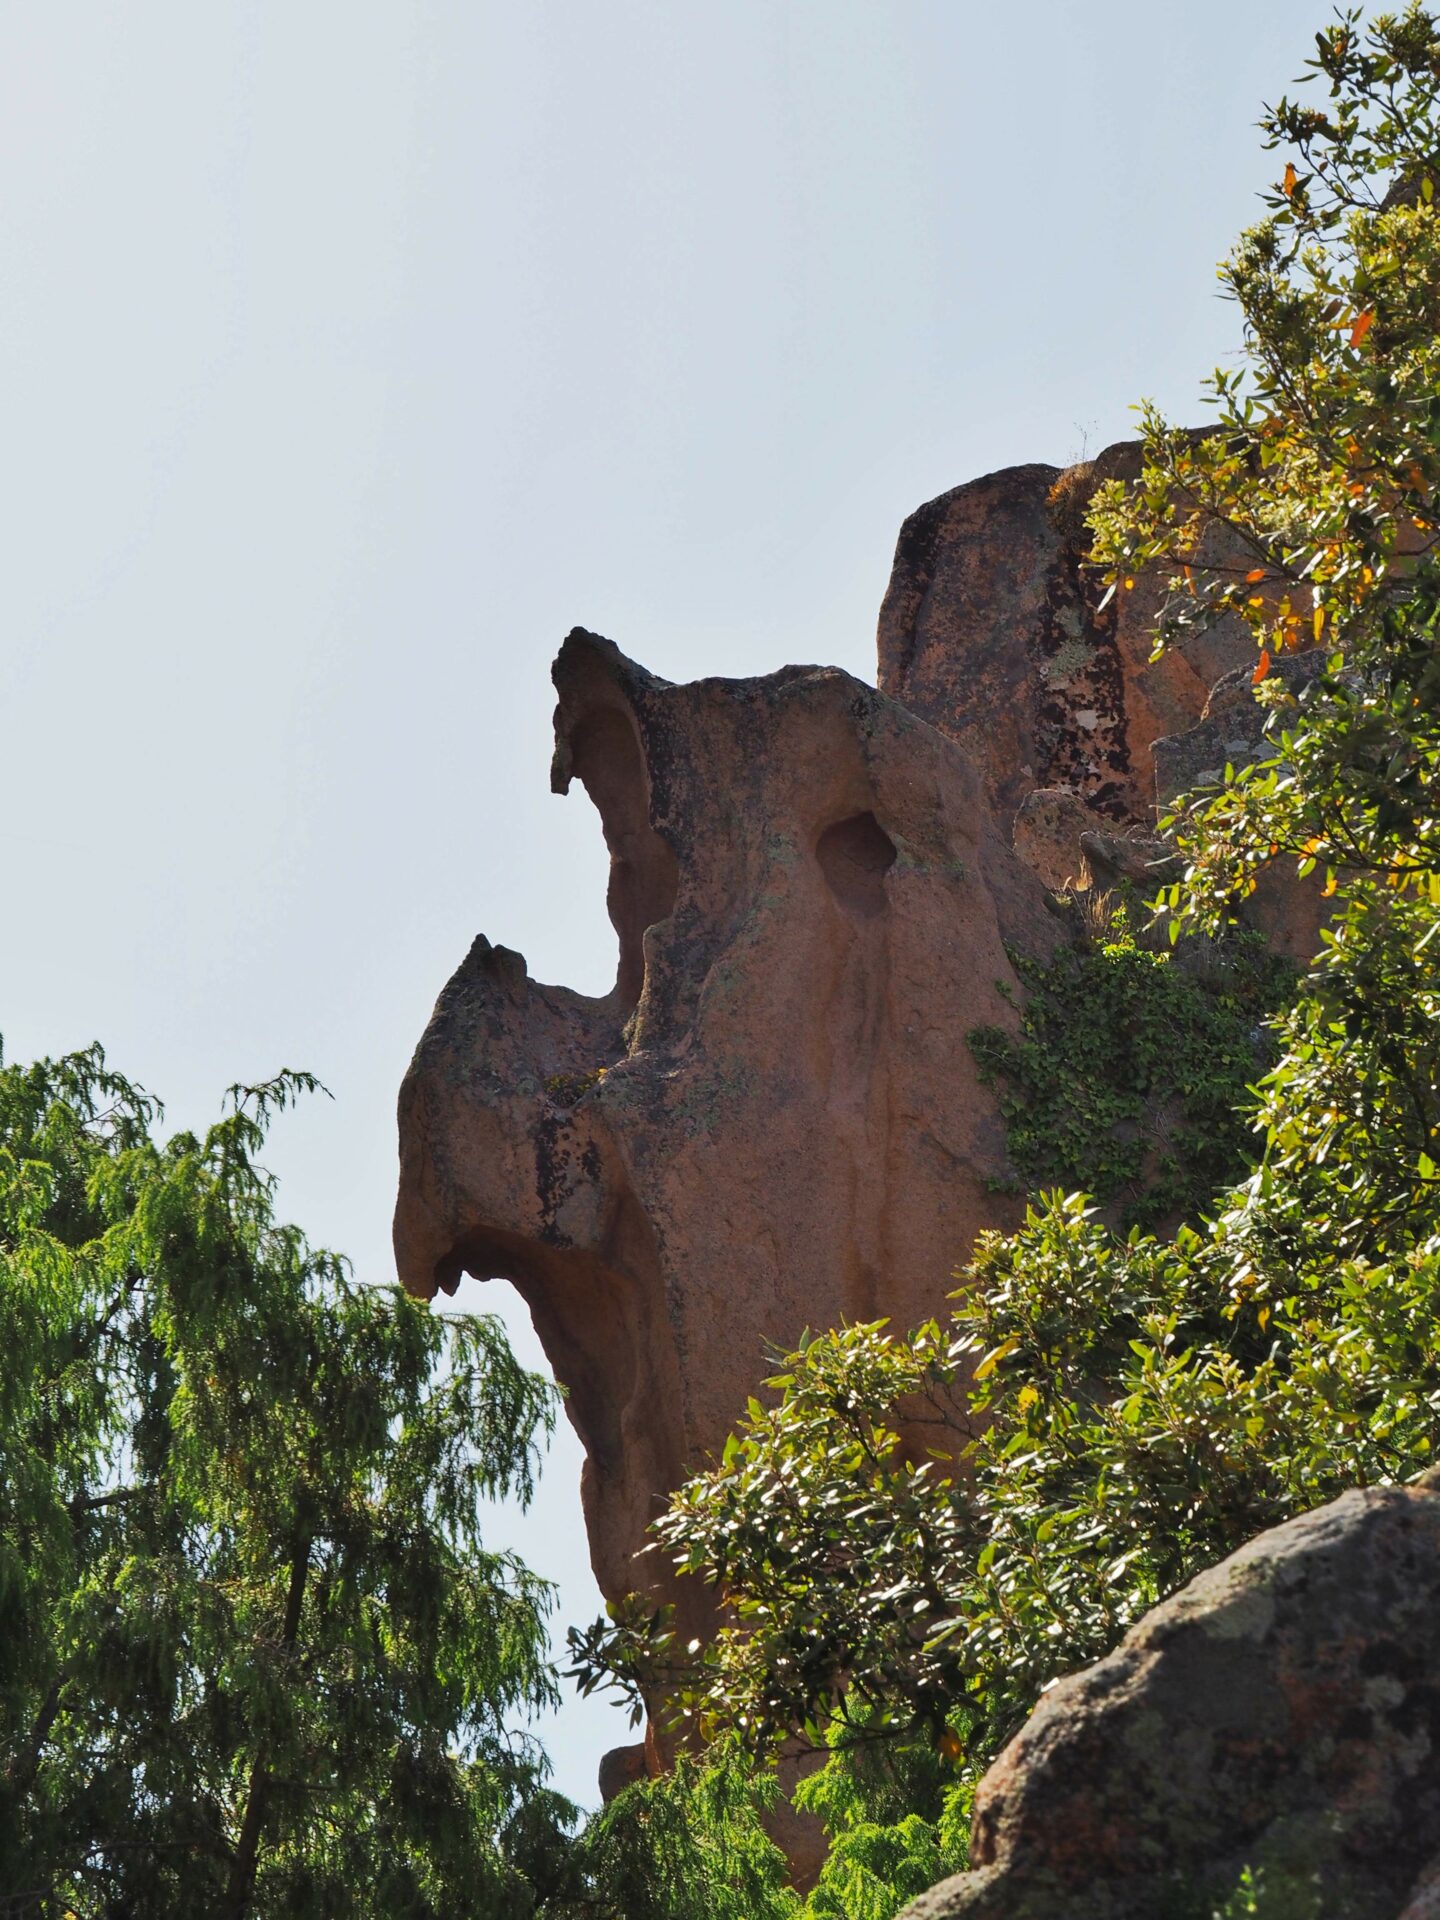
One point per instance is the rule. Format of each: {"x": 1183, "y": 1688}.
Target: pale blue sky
{"x": 355, "y": 352}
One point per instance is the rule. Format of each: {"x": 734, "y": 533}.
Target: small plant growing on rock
{"x": 1129, "y": 1074}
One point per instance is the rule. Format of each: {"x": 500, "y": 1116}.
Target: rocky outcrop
{"x": 1281, "y": 1714}
{"x": 773, "y": 1121}
{"x": 993, "y": 630}
{"x": 1229, "y": 730}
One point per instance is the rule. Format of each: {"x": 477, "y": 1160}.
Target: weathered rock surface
{"x": 774, "y": 1120}
{"x": 992, "y": 630}
{"x": 1229, "y": 729}
{"x": 1049, "y": 825}
{"x": 1281, "y": 1713}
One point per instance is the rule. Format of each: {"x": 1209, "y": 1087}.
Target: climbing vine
{"x": 1128, "y": 1076}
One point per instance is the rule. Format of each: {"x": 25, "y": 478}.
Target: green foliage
{"x": 689, "y": 1845}
{"x": 1325, "y": 467}
{"x": 887, "y": 1538}
{"x": 897, "y": 1819}
{"x": 692, "y": 1845}
{"x": 254, "y": 1656}
{"x": 1128, "y": 1073}
{"x": 1259, "y": 1895}
{"x": 567, "y": 1089}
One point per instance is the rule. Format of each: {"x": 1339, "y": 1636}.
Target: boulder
{"x": 1230, "y": 729}
{"x": 620, "y": 1768}
{"x": 774, "y": 1120}
{"x": 1287, "y": 911}
{"x": 1281, "y": 1714}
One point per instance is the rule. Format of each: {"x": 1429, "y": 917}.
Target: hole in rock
{"x": 855, "y": 855}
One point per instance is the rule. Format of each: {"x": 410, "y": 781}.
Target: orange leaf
{"x": 1319, "y": 621}
{"x": 1289, "y": 178}
{"x": 1361, "y": 327}
{"x": 1263, "y": 668}
{"x": 1255, "y": 573}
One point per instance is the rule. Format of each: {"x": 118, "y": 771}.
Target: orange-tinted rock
{"x": 774, "y": 1120}
{"x": 1049, "y": 826}
{"x": 621, "y": 1767}
{"x": 993, "y": 630}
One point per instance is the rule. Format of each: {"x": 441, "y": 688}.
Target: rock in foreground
{"x": 1281, "y": 1713}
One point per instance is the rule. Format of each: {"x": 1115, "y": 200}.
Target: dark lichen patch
{"x": 568, "y": 1089}
{"x": 558, "y": 1171}
{"x": 1079, "y": 680}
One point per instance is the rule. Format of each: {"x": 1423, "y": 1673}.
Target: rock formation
{"x": 774, "y": 1121}
{"x": 992, "y": 630}
{"x": 1281, "y": 1714}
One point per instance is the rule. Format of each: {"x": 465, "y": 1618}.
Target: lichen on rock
{"x": 1279, "y": 1717}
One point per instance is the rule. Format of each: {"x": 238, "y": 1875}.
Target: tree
{"x": 255, "y": 1658}
{"x": 916, "y": 1532}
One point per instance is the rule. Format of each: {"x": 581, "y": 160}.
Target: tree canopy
{"x": 255, "y": 1657}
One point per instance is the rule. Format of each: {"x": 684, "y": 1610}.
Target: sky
{"x": 355, "y": 352}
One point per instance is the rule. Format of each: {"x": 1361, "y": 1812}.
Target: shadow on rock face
{"x": 773, "y": 1121}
